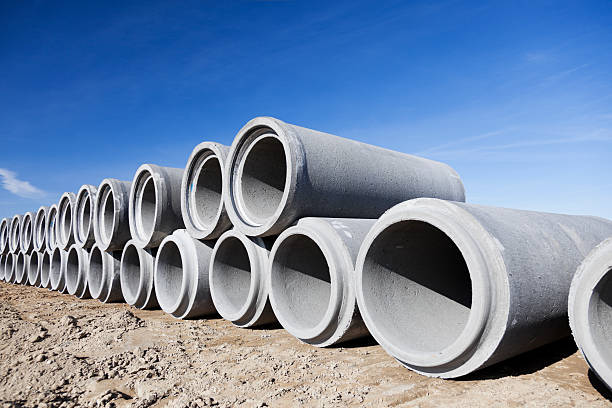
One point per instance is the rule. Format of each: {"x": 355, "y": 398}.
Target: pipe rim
{"x": 9, "y": 266}
{"x": 65, "y": 220}
{"x": 40, "y": 229}
{"x": 142, "y": 298}
{"x": 180, "y": 307}
{"x": 57, "y": 277}
{"x": 45, "y": 267}
{"x": 34, "y": 278}
{"x": 76, "y": 284}
{"x": 20, "y": 268}
{"x": 4, "y": 235}
{"x": 2, "y": 262}
{"x": 84, "y": 210}
{"x": 97, "y": 283}
{"x": 487, "y": 319}
{"x": 147, "y": 176}
{"x": 51, "y": 229}
{"x": 26, "y": 233}
{"x": 15, "y": 233}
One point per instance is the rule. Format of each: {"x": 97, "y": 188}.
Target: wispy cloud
{"x": 460, "y": 142}
{"x": 19, "y": 187}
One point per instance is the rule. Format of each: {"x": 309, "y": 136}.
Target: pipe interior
{"x": 107, "y": 215}
{"x": 169, "y": 274}
{"x": 8, "y": 267}
{"x": 85, "y": 216}
{"x": 66, "y": 220}
{"x": 40, "y": 228}
{"x": 15, "y": 232}
{"x": 96, "y": 271}
{"x": 130, "y": 271}
{"x": 147, "y": 203}
{"x": 232, "y": 275}
{"x": 206, "y": 191}
{"x": 72, "y": 270}
{"x": 33, "y": 267}
{"x": 51, "y": 234}
{"x": 263, "y": 178}
{"x": 44, "y": 268}
{"x": 3, "y": 234}
{"x": 301, "y": 281}
{"x": 27, "y": 232}
{"x": 55, "y": 268}
{"x": 600, "y": 316}
{"x": 20, "y": 267}
{"x": 416, "y": 287}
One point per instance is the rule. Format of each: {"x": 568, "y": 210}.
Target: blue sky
{"x": 516, "y": 96}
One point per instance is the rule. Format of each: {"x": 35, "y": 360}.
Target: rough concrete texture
{"x": 448, "y": 288}
{"x": 136, "y": 276}
{"x": 111, "y": 220}
{"x": 45, "y": 270}
{"x": 65, "y": 221}
{"x": 57, "y": 270}
{"x": 202, "y": 207}
{"x": 103, "y": 277}
{"x": 39, "y": 237}
{"x": 238, "y": 278}
{"x": 277, "y": 173}
{"x": 155, "y": 204}
{"x": 51, "y": 228}
{"x": 590, "y": 310}
{"x": 21, "y": 268}
{"x": 33, "y": 268}
{"x": 77, "y": 265}
{"x": 181, "y": 276}
{"x": 4, "y": 236}
{"x": 26, "y": 239}
{"x": 312, "y": 288}
{"x": 83, "y": 213}
{"x": 15, "y": 234}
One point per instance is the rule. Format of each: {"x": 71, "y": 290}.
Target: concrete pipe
{"x": 181, "y": 276}
{"x": 51, "y": 228}
{"x": 77, "y": 265}
{"x": 238, "y": 279}
{"x": 590, "y": 310}
{"x": 45, "y": 269}
{"x": 33, "y": 268}
{"x": 21, "y": 271}
{"x": 83, "y": 229}
{"x": 312, "y": 289}
{"x": 9, "y": 267}
{"x": 103, "y": 277}
{"x": 15, "y": 234}
{"x": 39, "y": 237}
{"x": 448, "y": 288}
{"x": 65, "y": 221}
{"x": 4, "y": 236}
{"x": 2, "y": 262}
{"x": 136, "y": 275}
{"x": 111, "y": 222}
{"x": 57, "y": 270}
{"x": 277, "y": 173}
{"x": 202, "y": 207}
{"x": 26, "y": 239}
{"x": 155, "y": 204}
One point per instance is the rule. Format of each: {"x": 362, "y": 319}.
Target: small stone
{"x": 40, "y": 358}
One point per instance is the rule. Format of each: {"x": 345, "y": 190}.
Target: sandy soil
{"x": 58, "y": 351}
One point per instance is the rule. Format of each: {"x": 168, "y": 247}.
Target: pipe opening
{"x": 96, "y": 271}
{"x": 40, "y": 228}
{"x": 27, "y": 232}
{"x": 51, "y": 233}
{"x": 44, "y": 269}
{"x": 263, "y": 178}
{"x": 130, "y": 272}
{"x": 19, "y": 267}
{"x": 55, "y": 269}
{"x": 301, "y": 281}
{"x": 33, "y": 268}
{"x": 66, "y": 220}
{"x": 205, "y": 191}
{"x": 85, "y": 216}
{"x": 600, "y": 316}
{"x": 107, "y": 215}
{"x": 169, "y": 275}
{"x": 15, "y": 232}
{"x": 416, "y": 287}
{"x": 3, "y": 234}
{"x": 145, "y": 208}
{"x": 72, "y": 270}
{"x": 8, "y": 268}
{"x": 232, "y": 275}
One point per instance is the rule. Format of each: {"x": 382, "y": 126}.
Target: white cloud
{"x": 19, "y": 187}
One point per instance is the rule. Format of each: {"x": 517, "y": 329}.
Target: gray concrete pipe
{"x": 202, "y": 207}
{"x": 103, "y": 277}
{"x": 277, "y": 173}
{"x": 2, "y": 259}
{"x": 9, "y": 267}
{"x": 136, "y": 276}
{"x": 181, "y": 276}
{"x": 312, "y": 286}
{"x": 39, "y": 237}
{"x": 448, "y": 288}
{"x": 65, "y": 221}
{"x": 26, "y": 239}
{"x": 83, "y": 215}
{"x": 45, "y": 269}
{"x": 21, "y": 272}
{"x": 77, "y": 265}
{"x": 51, "y": 228}
{"x": 33, "y": 268}
{"x": 4, "y": 236}
{"x": 590, "y": 310}
{"x": 111, "y": 221}
{"x": 57, "y": 270}
{"x": 15, "y": 234}
{"x": 238, "y": 279}
{"x": 155, "y": 204}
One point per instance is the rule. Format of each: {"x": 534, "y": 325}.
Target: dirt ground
{"x": 58, "y": 351}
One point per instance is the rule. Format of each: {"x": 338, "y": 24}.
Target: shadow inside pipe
{"x": 599, "y": 385}
{"x": 366, "y": 341}
{"x": 526, "y": 363}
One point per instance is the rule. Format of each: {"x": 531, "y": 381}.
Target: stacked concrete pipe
{"x": 181, "y": 276}
{"x": 202, "y": 207}
{"x": 45, "y": 270}
{"x": 57, "y": 270}
{"x": 137, "y": 276}
{"x": 77, "y": 264}
{"x": 4, "y": 236}
{"x": 155, "y": 204}
{"x": 277, "y": 173}
{"x": 39, "y": 237}
{"x": 34, "y": 268}
{"x": 9, "y": 267}
{"x": 51, "y": 228}
{"x": 238, "y": 279}
{"x": 2, "y": 262}
{"x": 448, "y": 288}
{"x": 65, "y": 221}
{"x": 312, "y": 285}
{"x": 21, "y": 264}
{"x": 26, "y": 239}
{"x": 111, "y": 220}
{"x": 103, "y": 275}
{"x": 83, "y": 214}
{"x": 590, "y": 310}
{"x": 15, "y": 234}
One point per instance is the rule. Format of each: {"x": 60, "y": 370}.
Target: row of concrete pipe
{"x": 335, "y": 239}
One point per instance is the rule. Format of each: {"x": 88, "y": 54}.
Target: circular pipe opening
{"x": 205, "y": 189}
{"x": 15, "y": 233}
{"x": 19, "y": 267}
{"x": 600, "y": 316}
{"x": 107, "y": 215}
{"x": 84, "y": 216}
{"x": 301, "y": 282}
{"x": 66, "y": 220}
{"x": 3, "y": 233}
{"x": 262, "y": 178}
{"x": 27, "y": 232}
{"x": 72, "y": 271}
{"x": 55, "y": 269}
{"x": 41, "y": 221}
{"x": 169, "y": 275}
{"x": 44, "y": 269}
{"x": 96, "y": 272}
{"x": 146, "y": 205}
{"x": 130, "y": 272}
{"x": 416, "y": 287}
{"x": 51, "y": 229}
{"x": 232, "y": 276}
{"x": 9, "y": 268}
{"x": 33, "y": 268}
